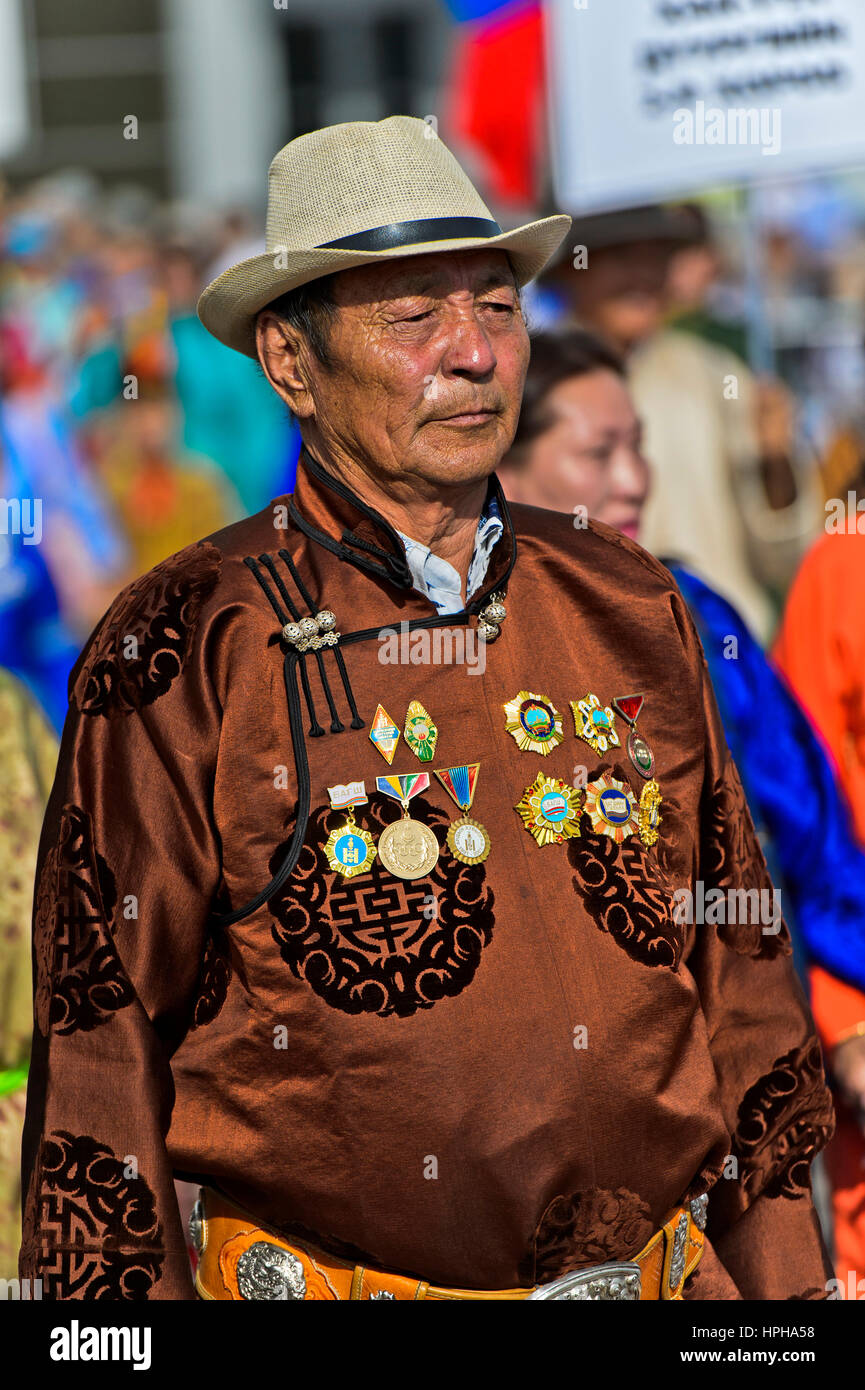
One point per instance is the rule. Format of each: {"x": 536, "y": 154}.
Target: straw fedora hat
{"x": 358, "y": 193}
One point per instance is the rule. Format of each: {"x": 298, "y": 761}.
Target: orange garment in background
{"x": 165, "y": 502}
{"x": 838, "y": 1009}
{"x": 821, "y": 651}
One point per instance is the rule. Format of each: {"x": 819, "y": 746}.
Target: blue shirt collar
{"x": 437, "y": 579}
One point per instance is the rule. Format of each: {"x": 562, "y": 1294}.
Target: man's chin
{"x": 459, "y": 456}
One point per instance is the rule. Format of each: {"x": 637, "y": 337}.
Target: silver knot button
{"x": 495, "y": 613}
{"x": 491, "y": 617}
{"x": 311, "y": 634}
{"x": 267, "y": 1272}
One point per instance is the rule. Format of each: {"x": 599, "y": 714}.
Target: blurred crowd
{"x": 127, "y": 432}
{"x": 125, "y": 427}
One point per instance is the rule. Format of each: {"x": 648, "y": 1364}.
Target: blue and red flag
{"x": 496, "y": 93}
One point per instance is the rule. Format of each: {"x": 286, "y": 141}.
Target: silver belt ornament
{"x": 598, "y": 1283}
{"x": 267, "y": 1272}
{"x": 700, "y": 1210}
{"x": 622, "y": 1281}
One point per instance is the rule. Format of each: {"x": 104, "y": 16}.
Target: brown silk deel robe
{"x": 484, "y": 1078}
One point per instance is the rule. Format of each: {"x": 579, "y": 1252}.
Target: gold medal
{"x": 420, "y": 733}
{"x": 650, "y": 813}
{"x": 467, "y": 839}
{"x": 349, "y": 850}
{"x": 533, "y": 722}
{"x": 550, "y": 809}
{"x": 595, "y": 723}
{"x": 407, "y": 848}
{"x": 611, "y": 807}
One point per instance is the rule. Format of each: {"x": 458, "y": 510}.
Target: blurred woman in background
{"x": 578, "y": 449}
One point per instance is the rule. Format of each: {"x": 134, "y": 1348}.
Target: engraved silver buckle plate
{"x": 598, "y": 1283}
{"x": 267, "y": 1272}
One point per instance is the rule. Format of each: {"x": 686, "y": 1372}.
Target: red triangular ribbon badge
{"x": 629, "y": 706}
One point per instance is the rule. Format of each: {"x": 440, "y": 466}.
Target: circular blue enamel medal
{"x": 615, "y": 807}
{"x": 554, "y": 808}
{"x": 533, "y": 722}
{"x": 611, "y": 807}
{"x": 349, "y": 851}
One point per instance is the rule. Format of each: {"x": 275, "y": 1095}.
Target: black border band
{"x": 411, "y": 233}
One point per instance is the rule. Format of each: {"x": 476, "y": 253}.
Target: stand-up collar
{"x": 333, "y": 516}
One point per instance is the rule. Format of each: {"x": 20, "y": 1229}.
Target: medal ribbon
{"x": 459, "y": 783}
{"x": 402, "y": 787}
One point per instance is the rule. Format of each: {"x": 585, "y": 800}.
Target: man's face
{"x": 590, "y": 456}
{"x": 428, "y": 359}
{"x": 621, "y": 293}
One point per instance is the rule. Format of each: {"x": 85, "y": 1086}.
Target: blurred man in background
{"x": 726, "y": 498}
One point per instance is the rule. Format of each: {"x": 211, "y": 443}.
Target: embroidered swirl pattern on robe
{"x": 785, "y": 1119}
{"x": 735, "y": 865}
{"x": 213, "y": 985}
{"x": 627, "y": 893}
{"x": 377, "y": 944}
{"x": 99, "y": 1230}
{"x": 80, "y": 981}
{"x": 588, "y": 1228}
{"x": 141, "y": 646}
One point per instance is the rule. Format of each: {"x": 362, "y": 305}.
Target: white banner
{"x": 655, "y": 98}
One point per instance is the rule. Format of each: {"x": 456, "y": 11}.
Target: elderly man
{"x": 416, "y": 1036}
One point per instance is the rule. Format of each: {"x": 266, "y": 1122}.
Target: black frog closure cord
{"x": 390, "y": 565}
{"x": 290, "y": 665}
{"x": 356, "y": 721}
{"x": 315, "y": 729}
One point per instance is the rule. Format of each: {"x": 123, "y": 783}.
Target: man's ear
{"x": 284, "y": 358}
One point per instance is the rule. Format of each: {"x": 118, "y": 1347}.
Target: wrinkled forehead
{"x": 437, "y": 273}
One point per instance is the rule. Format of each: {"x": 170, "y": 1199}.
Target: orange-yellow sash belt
{"x": 242, "y": 1259}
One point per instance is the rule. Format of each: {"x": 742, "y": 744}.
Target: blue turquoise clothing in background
{"x": 230, "y": 413}
{"x": 791, "y": 788}
{"x": 39, "y": 460}
{"x": 35, "y": 644}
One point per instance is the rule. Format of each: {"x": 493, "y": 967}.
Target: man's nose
{"x": 469, "y": 351}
